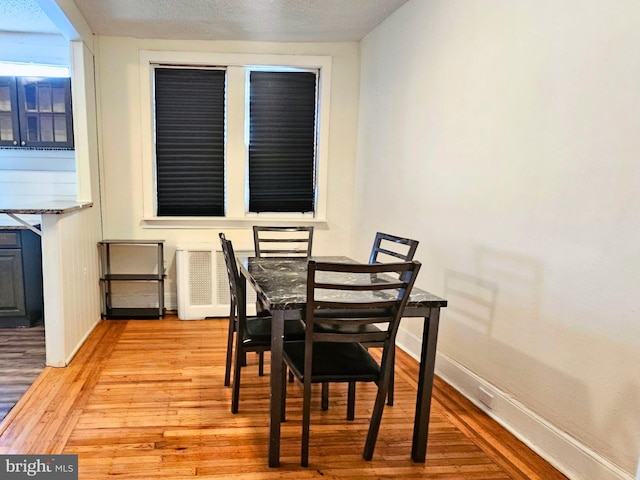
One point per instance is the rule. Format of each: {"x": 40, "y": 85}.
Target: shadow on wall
{"x": 487, "y": 338}
{"x": 471, "y": 300}
{"x": 494, "y": 326}
{"x": 520, "y": 281}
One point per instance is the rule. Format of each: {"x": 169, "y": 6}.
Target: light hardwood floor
{"x": 145, "y": 400}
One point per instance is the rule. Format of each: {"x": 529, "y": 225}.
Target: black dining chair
{"x": 390, "y": 248}
{"x": 341, "y": 299}
{"x": 386, "y": 248}
{"x": 252, "y": 334}
{"x": 283, "y": 241}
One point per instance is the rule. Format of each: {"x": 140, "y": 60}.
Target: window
{"x": 233, "y": 136}
{"x": 189, "y": 114}
{"x": 36, "y": 112}
{"x": 282, "y": 141}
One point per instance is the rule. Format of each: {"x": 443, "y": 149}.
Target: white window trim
{"x": 235, "y": 147}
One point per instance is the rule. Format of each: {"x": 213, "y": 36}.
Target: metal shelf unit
{"x": 109, "y": 279}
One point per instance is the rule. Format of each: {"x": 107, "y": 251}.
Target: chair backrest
{"x": 391, "y": 248}
{"x": 235, "y": 291}
{"x": 283, "y": 241}
{"x": 351, "y": 296}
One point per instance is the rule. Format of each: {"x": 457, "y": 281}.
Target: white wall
{"x": 36, "y": 174}
{"x": 122, "y": 141}
{"x": 507, "y": 132}
{"x": 70, "y": 256}
{"x": 69, "y": 242}
{"x": 46, "y": 174}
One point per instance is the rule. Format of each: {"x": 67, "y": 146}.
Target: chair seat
{"x": 257, "y": 331}
{"x": 353, "y": 313}
{"x": 366, "y": 328}
{"x": 333, "y": 362}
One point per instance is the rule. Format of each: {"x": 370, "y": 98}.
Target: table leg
{"x": 425, "y": 386}
{"x": 277, "y": 334}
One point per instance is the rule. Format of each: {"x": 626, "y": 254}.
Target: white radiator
{"x": 202, "y": 282}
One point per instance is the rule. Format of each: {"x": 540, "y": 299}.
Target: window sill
{"x": 229, "y": 222}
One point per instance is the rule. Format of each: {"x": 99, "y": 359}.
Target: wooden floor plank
{"x": 145, "y": 400}
{"x": 22, "y": 358}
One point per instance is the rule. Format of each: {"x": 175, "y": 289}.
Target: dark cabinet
{"x": 35, "y": 112}
{"x": 9, "y": 120}
{"x": 21, "y": 299}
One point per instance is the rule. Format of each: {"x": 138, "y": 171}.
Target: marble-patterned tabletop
{"x": 40, "y": 207}
{"x": 282, "y": 282}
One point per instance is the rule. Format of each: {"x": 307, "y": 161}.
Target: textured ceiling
{"x": 256, "y": 20}
{"x": 24, "y": 16}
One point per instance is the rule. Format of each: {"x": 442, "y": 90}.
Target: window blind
{"x": 282, "y": 141}
{"x": 190, "y": 131}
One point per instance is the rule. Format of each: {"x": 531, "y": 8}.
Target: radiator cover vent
{"x": 200, "y": 284}
{"x": 203, "y": 287}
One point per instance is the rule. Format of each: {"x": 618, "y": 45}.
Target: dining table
{"x": 281, "y": 285}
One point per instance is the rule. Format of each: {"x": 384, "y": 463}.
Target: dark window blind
{"x": 282, "y": 141}
{"x": 190, "y": 133}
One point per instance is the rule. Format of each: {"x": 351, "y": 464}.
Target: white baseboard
{"x": 81, "y": 342}
{"x": 565, "y": 453}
